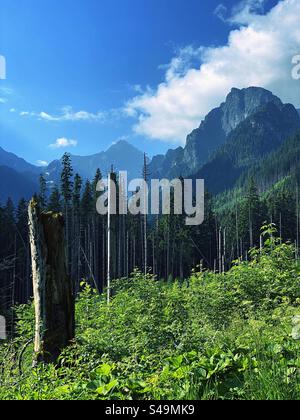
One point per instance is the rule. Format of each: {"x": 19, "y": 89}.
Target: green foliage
{"x": 43, "y": 192}
{"x": 231, "y": 336}
{"x": 55, "y": 201}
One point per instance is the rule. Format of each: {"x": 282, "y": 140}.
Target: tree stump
{"x": 53, "y": 291}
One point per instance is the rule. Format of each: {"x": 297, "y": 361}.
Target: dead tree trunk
{"x": 53, "y": 291}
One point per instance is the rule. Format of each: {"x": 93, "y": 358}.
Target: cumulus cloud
{"x": 63, "y": 142}
{"x": 258, "y": 53}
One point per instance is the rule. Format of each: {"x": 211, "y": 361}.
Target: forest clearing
{"x": 213, "y": 336}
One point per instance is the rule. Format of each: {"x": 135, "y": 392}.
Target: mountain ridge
{"x": 15, "y": 185}
{"x": 122, "y": 155}
{"x": 248, "y": 126}
{"x": 213, "y": 132}
{"x": 15, "y": 162}
{"x": 248, "y": 144}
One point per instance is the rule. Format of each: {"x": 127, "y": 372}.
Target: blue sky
{"x": 83, "y": 74}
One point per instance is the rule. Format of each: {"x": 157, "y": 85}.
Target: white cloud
{"x": 242, "y": 13}
{"x": 68, "y": 114}
{"x": 3, "y": 100}
{"x": 12, "y": 110}
{"x": 42, "y": 163}
{"x": 246, "y": 11}
{"x": 63, "y": 142}
{"x": 258, "y": 53}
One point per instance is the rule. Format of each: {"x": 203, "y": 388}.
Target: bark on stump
{"x": 53, "y": 291}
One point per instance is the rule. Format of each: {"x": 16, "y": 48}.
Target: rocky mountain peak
{"x": 218, "y": 125}
{"x": 241, "y": 103}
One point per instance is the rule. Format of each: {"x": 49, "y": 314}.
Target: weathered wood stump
{"x": 53, "y": 291}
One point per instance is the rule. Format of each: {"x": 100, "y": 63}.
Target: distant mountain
{"x": 18, "y": 164}
{"x": 19, "y": 179}
{"x": 213, "y": 132}
{"x": 15, "y": 185}
{"x": 250, "y": 142}
{"x": 231, "y": 143}
{"x": 122, "y": 155}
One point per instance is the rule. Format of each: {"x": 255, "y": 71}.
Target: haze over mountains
{"x": 233, "y": 139}
{"x": 23, "y": 177}
{"x": 18, "y": 178}
{"x": 121, "y": 155}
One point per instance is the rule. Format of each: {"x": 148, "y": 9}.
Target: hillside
{"x": 18, "y": 164}
{"x": 252, "y": 140}
{"x": 15, "y": 185}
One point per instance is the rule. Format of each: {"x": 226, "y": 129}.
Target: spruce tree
{"x": 55, "y": 202}
{"x": 66, "y": 191}
{"x": 43, "y": 192}
{"x": 66, "y": 180}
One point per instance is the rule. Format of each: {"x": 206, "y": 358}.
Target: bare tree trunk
{"x": 53, "y": 292}
{"x": 297, "y": 218}
{"x": 220, "y": 251}
{"x": 145, "y": 175}
{"x": 109, "y": 240}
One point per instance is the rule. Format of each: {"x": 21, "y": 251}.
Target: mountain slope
{"x": 252, "y": 140}
{"x": 18, "y": 164}
{"x": 15, "y": 185}
{"x": 213, "y": 132}
{"x": 276, "y": 166}
{"x": 277, "y": 171}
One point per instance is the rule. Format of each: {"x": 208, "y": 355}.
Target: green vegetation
{"x": 214, "y": 336}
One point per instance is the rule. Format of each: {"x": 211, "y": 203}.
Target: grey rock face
{"x": 240, "y": 104}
